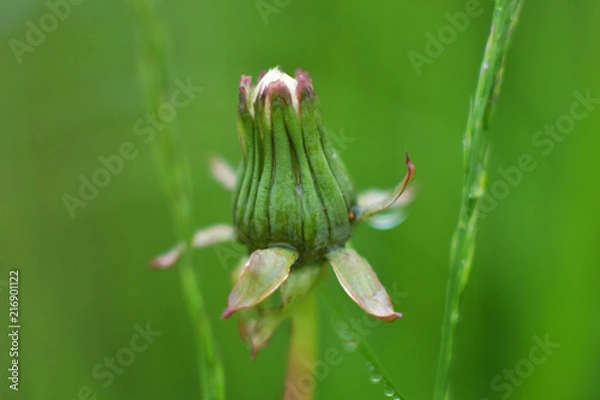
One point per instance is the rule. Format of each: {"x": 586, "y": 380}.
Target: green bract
{"x": 292, "y": 189}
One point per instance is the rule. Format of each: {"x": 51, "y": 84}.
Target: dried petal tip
{"x": 304, "y": 78}
{"x": 245, "y": 95}
{"x": 271, "y": 77}
{"x": 246, "y": 81}
{"x": 409, "y": 164}
{"x": 393, "y": 317}
{"x": 368, "y": 212}
{"x": 280, "y": 90}
{"x": 228, "y": 312}
{"x": 168, "y": 259}
{"x": 305, "y": 86}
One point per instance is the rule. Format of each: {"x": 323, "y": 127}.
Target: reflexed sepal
{"x": 202, "y": 238}
{"x": 367, "y": 212}
{"x": 361, "y": 283}
{"x": 301, "y": 281}
{"x": 257, "y": 329}
{"x": 264, "y": 272}
{"x": 258, "y": 324}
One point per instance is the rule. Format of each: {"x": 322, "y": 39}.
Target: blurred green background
{"x": 85, "y": 281}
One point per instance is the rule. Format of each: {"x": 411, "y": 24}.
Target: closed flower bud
{"x": 292, "y": 190}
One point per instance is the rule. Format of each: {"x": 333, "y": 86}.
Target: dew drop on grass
{"x": 344, "y": 333}
{"x": 374, "y": 374}
{"x": 350, "y": 345}
{"x": 349, "y": 342}
{"x": 388, "y": 390}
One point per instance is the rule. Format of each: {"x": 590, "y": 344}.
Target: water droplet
{"x": 345, "y": 333}
{"x": 374, "y": 374}
{"x": 350, "y": 345}
{"x": 348, "y": 337}
{"x": 388, "y": 389}
{"x": 397, "y": 398}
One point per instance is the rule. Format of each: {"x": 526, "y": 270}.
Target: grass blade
{"x": 154, "y": 70}
{"x": 504, "y": 20}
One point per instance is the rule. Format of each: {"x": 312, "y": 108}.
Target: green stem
{"x": 154, "y": 71}
{"x": 299, "y": 382}
{"x": 504, "y": 20}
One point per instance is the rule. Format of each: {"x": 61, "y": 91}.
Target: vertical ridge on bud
{"x": 284, "y": 210}
{"x": 333, "y": 200}
{"x": 337, "y": 168}
{"x": 245, "y": 113}
{"x": 245, "y": 127}
{"x": 253, "y": 174}
{"x": 315, "y": 227}
{"x": 259, "y": 225}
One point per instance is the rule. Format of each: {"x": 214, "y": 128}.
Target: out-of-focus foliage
{"x": 74, "y": 101}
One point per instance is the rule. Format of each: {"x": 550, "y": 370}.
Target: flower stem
{"x": 299, "y": 383}
{"x": 154, "y": 71}
{"x": 504, "y": 20}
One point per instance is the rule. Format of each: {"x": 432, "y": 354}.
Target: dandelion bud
{"x": 295, "y": 207}
{"x": 293, "y": 190}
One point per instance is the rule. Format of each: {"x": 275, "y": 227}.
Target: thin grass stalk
{"x": 476, "y": 150}
{"x": 157, "y": 83}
